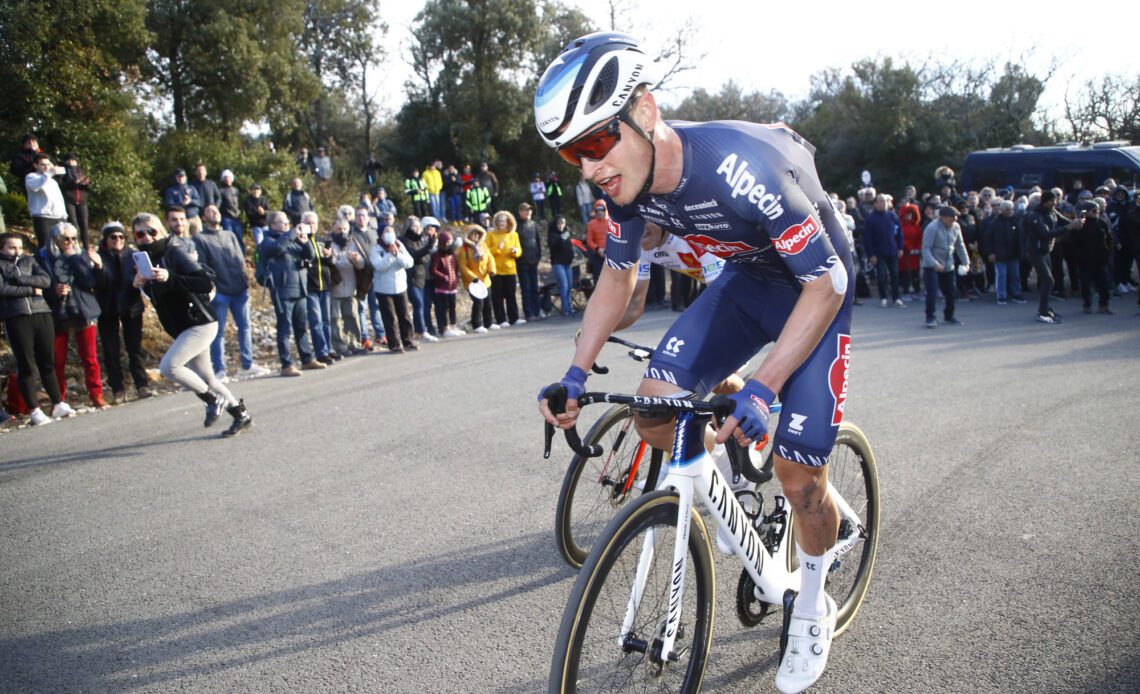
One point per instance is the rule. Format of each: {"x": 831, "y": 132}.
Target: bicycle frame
{"x": 695, "y": 477}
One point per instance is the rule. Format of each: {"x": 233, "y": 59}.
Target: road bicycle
{"x": 596, "y": 487}
{"x": 640, "y": 615}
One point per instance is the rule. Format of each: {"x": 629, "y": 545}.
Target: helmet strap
{"x": 652, "y": 157}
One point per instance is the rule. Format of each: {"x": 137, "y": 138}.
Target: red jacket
{"x": 445, "y": 272}
{"x": 911, "y": 218}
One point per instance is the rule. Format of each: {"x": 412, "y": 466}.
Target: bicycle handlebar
{"x": 637, "y": 353}
{"x": 720, "y": 407}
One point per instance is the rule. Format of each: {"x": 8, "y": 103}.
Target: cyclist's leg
{"x": 720, "y": 331}
{"x": 813, "y": 402}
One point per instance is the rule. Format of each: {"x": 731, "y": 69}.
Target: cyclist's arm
{"x": 608, "y": 305}
{"x": 636, "y": 306}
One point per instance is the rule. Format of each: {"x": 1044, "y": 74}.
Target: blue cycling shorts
{"x": 732, "y": 320}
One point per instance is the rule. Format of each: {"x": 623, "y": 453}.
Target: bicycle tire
{"x": 620, "y": 548}
{"x": 578, "y": 525}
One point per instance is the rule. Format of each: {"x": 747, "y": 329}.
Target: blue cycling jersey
{"x": 749, "y": 193}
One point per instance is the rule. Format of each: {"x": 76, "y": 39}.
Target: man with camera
{"x": 1042, "y": 227}
{"x": 288, "y": 254}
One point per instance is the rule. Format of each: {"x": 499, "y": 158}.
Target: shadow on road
{"x": 145, "y": 653}
{"x": 88, "y": 455}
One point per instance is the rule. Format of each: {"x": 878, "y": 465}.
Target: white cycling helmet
{"x": 590, "y": 82}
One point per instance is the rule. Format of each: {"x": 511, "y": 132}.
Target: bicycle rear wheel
{"x": 591, "y": 655}
{"x": 851, "y": 470}
{"x": 595, "y": 489}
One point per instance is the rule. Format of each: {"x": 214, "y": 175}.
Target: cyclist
{"x": 749, "y": 194}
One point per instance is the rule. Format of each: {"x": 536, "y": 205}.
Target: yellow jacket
{"x": 476, "y": 269}
{"x": 505, "y": 247}
{"x": 433, "y": 179}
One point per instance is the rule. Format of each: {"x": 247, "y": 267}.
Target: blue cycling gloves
{"x": 752, "y": 405}
{"x": 574, "y": 381}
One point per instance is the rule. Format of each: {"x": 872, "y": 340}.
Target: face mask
{"x": 388, "y": 238}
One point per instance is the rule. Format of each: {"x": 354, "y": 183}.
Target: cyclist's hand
{"x": 575, "y": 383}
{"x": 749, "y": 420}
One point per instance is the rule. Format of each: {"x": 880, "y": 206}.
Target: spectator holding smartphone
{"x": 120, "y": 313}
{"x": 76, "y": 186}
{"x": 344, "y": 319}
{"x": 45, "y": 199}
{"x": 390, "y": 263}
{"x": 503, "y": 240}
{"x": 288, "y": 253}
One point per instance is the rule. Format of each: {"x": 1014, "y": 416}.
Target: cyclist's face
{"x": 624, "y": 170}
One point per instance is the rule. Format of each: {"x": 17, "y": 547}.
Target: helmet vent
{"x": 604, "y": 85}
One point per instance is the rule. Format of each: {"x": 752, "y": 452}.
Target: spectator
{"x": 1064, "y": 254}
{"x": 419, "y": 247}
{"x": 304, "y": 162}
{"x": 882, "y": 235}
{"x": 222, "y": 254}
{"x": 177, "y": 223}
{"x": 416, "y": 191}
{"x": 297, "y": 202}
{"x": 453, "y": 190}
{"x": 24, "y": 162}
{"x": 344, "y": 321}
{"x": 585, "y": 198}
{"x": 554, "y": 193}
{"x": 76, "y": 186}
{"x": 1042, "y": 227}
{"x": 28, "y": 326}
{"x": 183, "y": 195}
{"x": 3, "y": 192}
{"x": 1002, "y": 240}
{"x": 941, "y": 243}
{"x": 383, "y": 204}
{"x": 561, "y": 260}
{"x": 257, "y": 208}
{"x": 1128, "y": 235}
{"x": 476, "y": 266}
{"x": 45, "y": 199}
{"x": 490, "y": 183}
{"x": 503, "y": 241}
{"x": 910, "y": 217}
{"x": 287, "y": 254}
{"x": 527, "y": 263}
{"x": 968, "y": 284}
{"x": 433, "y": 179}
{"x": 120, "y": 313}
{"x": 596, "y": 232}
{"x": 467, "y": 178}
{"x": 208, "y": 191}
{"x": 364, "y": 237}
{"x": 372, "y": 169}
{"x": 538, "y": 195}
{"x": 390, "y": 262}
{"x": 431, "y": 227}
{"x": 478, "y": 199}
{"x": 322, "y": 165}
{"x": 230, "y": 207}
{"x": 1093, "y": 241}
{"x": 1122, "y": 261}
{"x": 445, "y": 278}
{"x": 317, "y": 300}
{"x": 178, "y": 289}
{"x": 74, "y": 305}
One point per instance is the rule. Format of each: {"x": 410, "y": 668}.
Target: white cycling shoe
{"x": 809, "y": 642}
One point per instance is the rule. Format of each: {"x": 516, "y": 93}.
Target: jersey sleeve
{"x": 623, "y": 240}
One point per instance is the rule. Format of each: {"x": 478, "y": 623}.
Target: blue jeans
{"x": 1008, "y": 282}
{"x": 234, "y": 225}
{"x": 373, "y": 312}
{"x": 528, "y": 281}
{"x": 416, "y": 296}
{"x": 934, "y": 280}
{"x": 318, "y": 307}
{"x": 584, "y": 210}
{"x": 436, "y": 204}
{"x": 454, "y": 208}
{"x": 564, "y": 276}
{"x": 429, "y": 301}
{"x": 292, "y": 322}
{"x": 238, "y": 305}
{"x": 888, "y": 265}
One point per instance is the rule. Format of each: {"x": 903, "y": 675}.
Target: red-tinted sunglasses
{"x": 597, "y": 143}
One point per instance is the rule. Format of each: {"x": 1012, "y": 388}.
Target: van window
{"x": 1125, "y": 177}
{"x": 1064, "y": 179}
{"x": 994, "y": 178}
{"x": 1028, "y": 180}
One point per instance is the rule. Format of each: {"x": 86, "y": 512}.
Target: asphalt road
{"x": 387, "y": 525}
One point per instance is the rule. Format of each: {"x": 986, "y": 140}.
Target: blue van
{"x": 1054, "y": 166}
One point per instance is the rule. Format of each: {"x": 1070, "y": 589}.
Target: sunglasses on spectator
{"x": 139, "y": 233}
{"x": 116, "y": 237}
{"x": 69, "y": 239}
{"x": 597, "y": 143}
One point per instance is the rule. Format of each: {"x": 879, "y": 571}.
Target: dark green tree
{"x": 731, "y": 103}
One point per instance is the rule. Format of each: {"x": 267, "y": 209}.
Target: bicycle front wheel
{"x": 591, "y": 655}
{"x": 595, "y": 489}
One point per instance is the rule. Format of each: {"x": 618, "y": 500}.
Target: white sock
{"x": 813, "y": 571}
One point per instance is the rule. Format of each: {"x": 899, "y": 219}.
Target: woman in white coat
{"x": 390, "y": 262}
